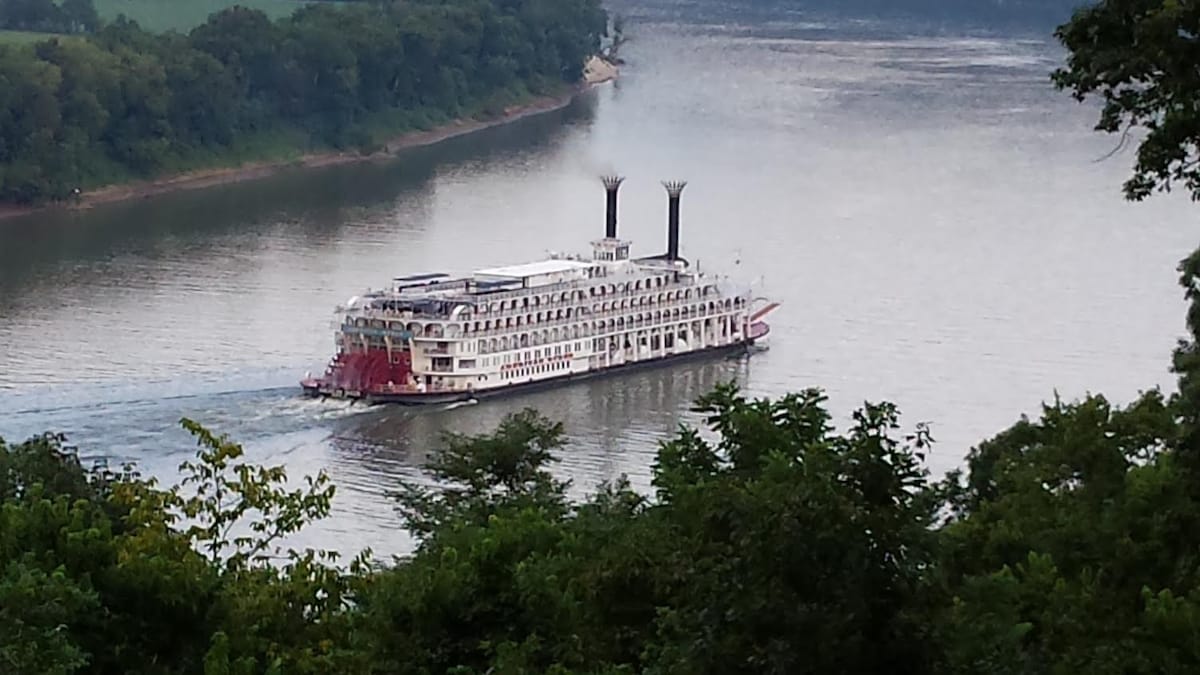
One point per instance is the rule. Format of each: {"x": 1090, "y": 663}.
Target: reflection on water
{"x": 930, "y": 211}
{"x": 601, "y": 413}
{"x": 613, "y": 428}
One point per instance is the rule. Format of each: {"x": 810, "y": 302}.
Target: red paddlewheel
{"x": 370, "y": 370}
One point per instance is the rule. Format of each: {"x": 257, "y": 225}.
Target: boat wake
{"x": 459, "y": 404}
{"x": 126, "y": 417}
{"x": 55, "y": 404}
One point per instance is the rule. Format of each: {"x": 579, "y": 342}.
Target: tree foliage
{"x": 1138, "y": 58}
{"x": 1063, "y": 536}
{"x": 98, "y": 573}
{"x": 125, "y": 103}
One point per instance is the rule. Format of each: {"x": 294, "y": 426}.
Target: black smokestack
{"x": 611, "y": 183}
{"x": 673, "y": 189}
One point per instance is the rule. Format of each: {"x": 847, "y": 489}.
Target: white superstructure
{"x": 562, "y": 317}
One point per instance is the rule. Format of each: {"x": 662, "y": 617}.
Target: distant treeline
{"x": 125, "y": 103}
{"x": 72, "y": 16}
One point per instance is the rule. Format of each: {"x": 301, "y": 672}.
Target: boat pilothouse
{"x": 432, "y": 338}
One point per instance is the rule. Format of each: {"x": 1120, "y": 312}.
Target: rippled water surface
{"x": 930, "y": 211}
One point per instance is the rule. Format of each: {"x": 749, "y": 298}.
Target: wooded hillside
{"x": 125, "y": 103}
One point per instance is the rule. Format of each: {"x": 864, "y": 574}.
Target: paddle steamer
{"x": 437, "y": 338}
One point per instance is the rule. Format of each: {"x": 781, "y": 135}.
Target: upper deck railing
{"x": 444, "y": 292}
{"x": 482, "y": 313}
{"x": 634, "y": 317}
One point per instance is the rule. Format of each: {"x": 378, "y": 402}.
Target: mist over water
{"x": 928, "y": 208}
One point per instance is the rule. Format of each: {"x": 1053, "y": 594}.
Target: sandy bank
{"x": 596, "y": 71}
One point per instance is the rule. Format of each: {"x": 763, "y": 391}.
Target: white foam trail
{"x": 459, "y": 404}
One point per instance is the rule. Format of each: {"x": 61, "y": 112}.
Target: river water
{"x": 931, "y": 213}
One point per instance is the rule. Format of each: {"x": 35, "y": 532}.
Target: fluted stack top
{"x": 674, "y": 187}
{"x": 612, "y": 182}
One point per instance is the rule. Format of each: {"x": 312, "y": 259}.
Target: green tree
{"x": 81, "y": 15}
{"x": 794, "y": 549}
{"x": 104, "y": 571}
{"x": 782, "y": 548}
{"x": 1136, "y": 56}
{"x": 1058, "y": 532}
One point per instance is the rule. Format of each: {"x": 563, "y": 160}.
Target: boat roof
{"x": 422, "y": 277}
{"x": 534, "y": 268}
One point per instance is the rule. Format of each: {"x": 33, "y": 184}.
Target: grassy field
{"x": 182, "y": 15}
{"x": 163, "y": 15}
{"x": 20, "y": 37}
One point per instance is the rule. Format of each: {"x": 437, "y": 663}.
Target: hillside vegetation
{"x": 126, "y": 103}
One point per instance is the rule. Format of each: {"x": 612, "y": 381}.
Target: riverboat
{"x": 438, "y": 338}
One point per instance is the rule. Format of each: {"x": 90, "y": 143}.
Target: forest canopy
{"x": 123, "y": 103}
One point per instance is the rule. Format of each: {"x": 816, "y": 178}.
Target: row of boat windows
{"x": 642, "y": 286}
{"x": 506, "y": 343}
{"x": 551, "y": 336}
{"x": 525, "y": 357}
{"x": 538, "y": 370}
{"x": 453, "y": 330}
{"x": 532, "y": 370}
{"x": 600, "y": 308}
{"x": 666, "y": 340}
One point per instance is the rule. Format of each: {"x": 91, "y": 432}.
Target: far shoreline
{"x": 598, "y": 71}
